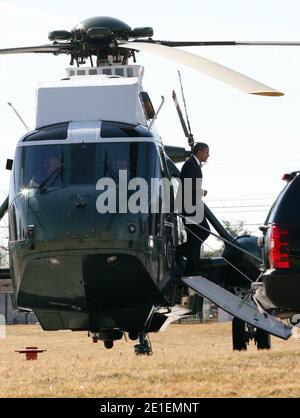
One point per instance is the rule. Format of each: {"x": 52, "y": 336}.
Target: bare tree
{"x": 4, "y": 242}
{"x": 236, "y": 229}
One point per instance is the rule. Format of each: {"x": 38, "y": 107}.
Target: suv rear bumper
{"x": 282, "y": 287}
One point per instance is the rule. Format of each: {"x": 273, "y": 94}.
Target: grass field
{"x": 188, "y": 361}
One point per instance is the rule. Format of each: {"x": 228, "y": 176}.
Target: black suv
{"x": 278, "y": 288}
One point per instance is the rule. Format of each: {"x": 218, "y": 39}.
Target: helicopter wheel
{"x": 144, "y": 347}
{"x": 108, "y": 344}
{"x": 133, "y": 335}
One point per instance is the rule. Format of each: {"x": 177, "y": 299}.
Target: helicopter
{"x": 111, "y": 273}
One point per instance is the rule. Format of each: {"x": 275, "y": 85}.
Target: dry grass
{"x": 188, "y": 361}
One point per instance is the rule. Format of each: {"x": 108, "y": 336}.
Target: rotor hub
{"x": 115, "y": 26}
{"x": 98, "y": 36}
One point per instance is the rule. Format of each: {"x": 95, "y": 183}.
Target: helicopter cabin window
{"x": 48, "y": 133}
{"x": 121, "y": 130}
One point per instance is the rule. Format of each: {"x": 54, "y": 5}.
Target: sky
{"x": 253, "y": 140}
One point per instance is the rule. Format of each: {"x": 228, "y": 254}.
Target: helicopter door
{"x": 168, "y": 220}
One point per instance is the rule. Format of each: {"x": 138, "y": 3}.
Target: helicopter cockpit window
{"x": 121, "y": 130}
{"x": 52, "y": 132}
{"x": 49, "y": 167}
{"x": 127, "y": 156}
{"x": 137, "y": 159}
{"x": 42, "y": 167}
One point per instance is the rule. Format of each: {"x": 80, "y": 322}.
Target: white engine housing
{"x": 90, "y": 97}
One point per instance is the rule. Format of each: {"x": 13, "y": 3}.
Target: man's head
{"x": 201, "y": 151}
{"x": 53, "y": 163}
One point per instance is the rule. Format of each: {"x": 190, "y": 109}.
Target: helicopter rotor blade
{"x": 184, "y": 102}
{"x": 208, "y": 67}
{"x": 37, "y": 49}
{"x": 218, "y": 43}
{"x": 184, "y": 127}
{"x": 268, "y": 43}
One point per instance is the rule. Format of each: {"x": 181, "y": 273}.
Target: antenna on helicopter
{"x": 157, "y": 112}
{"x": 186, "y": 127}
{"x": 18, "y": 116}
{"x": 184, "y": 102}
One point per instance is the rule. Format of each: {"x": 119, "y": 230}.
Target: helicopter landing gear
{"x": 133, "y": 335}
{"x": 108, "y": 336}
{"x": 108, "y": 344}
{"x": 144, "y": 347}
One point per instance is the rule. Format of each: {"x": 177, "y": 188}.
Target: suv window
{"x": 286, "y": 208}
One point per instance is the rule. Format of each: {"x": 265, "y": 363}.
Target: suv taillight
{"x": 279, "y": 248}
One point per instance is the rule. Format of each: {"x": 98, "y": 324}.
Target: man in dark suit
{"x": 195, "y": 235}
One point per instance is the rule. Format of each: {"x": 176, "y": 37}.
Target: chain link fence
{"x": 13, "y": 316}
